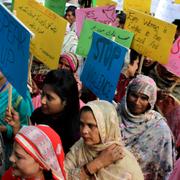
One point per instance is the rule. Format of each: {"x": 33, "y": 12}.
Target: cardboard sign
{"x": 153, "y": 37}
{"x": 103, "y": 66}
{"x": 48, "y": 27}
{"x": 105, "y": 15}
{"x": 14, "y": 50}
{"x": 174, "y": 60}
{"x": 167, "y": 11}
{"x": 141, "y": 5}
{"x": 122, "y": 37}
{"x": 105, "y": 3}
{"x": 177, "y": 1}
{"x": 58, "y": 6}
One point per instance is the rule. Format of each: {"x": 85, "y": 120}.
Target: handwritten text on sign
{"x": 103, "y": 66}
{"x": 122, "y": 37}
{"x": 48, "y": 27}
{"x": 153, "y": 37}
{"x": 14, "y": 50}
{"x": 174, "y": 60}
{"x": 106, "y": 15}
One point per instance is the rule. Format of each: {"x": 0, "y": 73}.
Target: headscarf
{"x": 108, "y": 126}
{"x": 72, "y": 60}
{"x": 45, "y": 146}
{"x": 147, "y": 135}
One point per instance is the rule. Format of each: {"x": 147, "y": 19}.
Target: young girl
{"x": 60, "y": 107}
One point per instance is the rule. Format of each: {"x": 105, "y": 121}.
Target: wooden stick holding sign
{"x": 10, "y": 98}
{"x": 29, "y": 70}
{"x": 141, "y": 64}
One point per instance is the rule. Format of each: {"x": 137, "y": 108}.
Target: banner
{"x": 122, "y": 37}
{"x": 103, "y": 66}
{"x": 153, "y": 37}
{"x": 48, "y": 27}
{"x": 174, "y": 60}
{"x": 14, "y": 50}
{"x": 58, "y": 6}
{"x": 140, "y": 5}
{"x": 105, "y": 15}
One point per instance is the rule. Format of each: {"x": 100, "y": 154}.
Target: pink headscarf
{"x": 72, "y": 60}
{"x": 45, "y": 146}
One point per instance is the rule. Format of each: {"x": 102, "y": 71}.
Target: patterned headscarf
{"x": 71, "y": 59}
{"x": 109, "y": 131}
{"x": 44, "y": 145}
{"x": 147, "y": 135}
{"x": 144, "y": 85}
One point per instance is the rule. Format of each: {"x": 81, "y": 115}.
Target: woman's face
{"x": 70, "y": 17}
{"x": 63, "y": 64}
{"x": 51, "y": 102}
{"x": 23, "y": 164}
{"x": 137, "y": 103}
{"x": 88, "y": 128}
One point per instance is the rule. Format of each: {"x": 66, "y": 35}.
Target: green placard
{"x": 58, "y": 6}
{"x": 122, "y": 37}
{"x": 94, "y": 3}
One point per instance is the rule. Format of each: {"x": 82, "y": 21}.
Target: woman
{"x": 144, "y": 130}
{"x": 69, "y": 61}
{"x": 37, "y": 154}
{"x": 168, "y": 101}
{"x": 60, "y": 106}
{"x": 22, "y": 106}
{"x": 98, "y": 154}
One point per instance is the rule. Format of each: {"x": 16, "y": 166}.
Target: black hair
{"x": 133, "y": 56}
{"x": 86, "y": 109}
{"x": 122, "y": 17}
{"x": 72, "y": 9}
{"x": 64, "y": 85}
{"x": 85, "y": 3}
{"x": 177, "y": 23}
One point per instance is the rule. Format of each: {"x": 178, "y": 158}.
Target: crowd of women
{"x": 63, "y": 131}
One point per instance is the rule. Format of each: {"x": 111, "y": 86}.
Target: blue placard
{"x": 14, "y": 50}
{"x": 103, "y": 66}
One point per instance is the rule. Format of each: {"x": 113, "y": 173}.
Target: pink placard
{"x": 106, "y": 15}
{"x": 174, "y": 59}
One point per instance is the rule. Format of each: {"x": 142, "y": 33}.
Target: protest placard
{"x": 48, "y": 27}
{"x": 140, "y": 5}
{"x": 103, "y": 66}
{"x": 177, "y": 1}
{"x": 174, "y": 60}
{"x": 153, "y": 37}
{"x": 105, "y": 15}
{"x": 14, "y": 50}
{"x": 122, "y": 37}
{"x": 58, "y": 6}
{"x": 105, "y": 2}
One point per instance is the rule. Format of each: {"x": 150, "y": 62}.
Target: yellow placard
{"x": 105, "y": 3}
{"x": 49, "y": 30}
{"x": 153, "y": 37}
{"x": 140, "y": 5}
{"x": 177, "y": 1}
